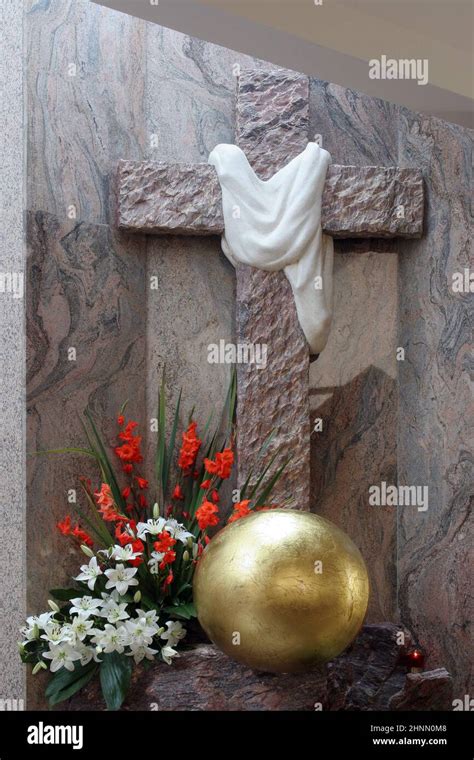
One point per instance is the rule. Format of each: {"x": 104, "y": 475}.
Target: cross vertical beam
{"x": 272, "y": 128}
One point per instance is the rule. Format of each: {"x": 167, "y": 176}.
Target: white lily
{"x": 85, "y": 604}
{"x": 62, "y": 655}
{"x": 178, "y": 531}
{"x": 154, "y": 562}
{"x": 141, "y": 652}
{"x": 168, "y": 653}
{"x": 114, "y": 611}
{"x": 80, "y": 626}
{"x": 111, "y": 639}
{"x": 55, "y": 632}
{"x": 139, "y": 632}
{"x": 174, "y": 633}
{"x": 124, "y": 553}
{"x": 153, "y": 527}
{"x": 121, "y": 578}
{"x": 89, "y": 573}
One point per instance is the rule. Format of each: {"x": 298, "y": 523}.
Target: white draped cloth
{"x": 276, "y": 224}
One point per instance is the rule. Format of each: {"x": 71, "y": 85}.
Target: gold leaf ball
{"x": 281, "y": 591}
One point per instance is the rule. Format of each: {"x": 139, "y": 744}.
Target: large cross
{"x": 272, "y": 125}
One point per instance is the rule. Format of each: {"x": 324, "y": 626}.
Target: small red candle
{"x": 416, "y": 660}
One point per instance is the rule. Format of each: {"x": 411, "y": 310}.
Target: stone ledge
{"x": 185, "y": 199}
{"x": 368, "y": 676}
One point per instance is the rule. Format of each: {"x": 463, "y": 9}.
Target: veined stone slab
{"x": 185, "y": 199}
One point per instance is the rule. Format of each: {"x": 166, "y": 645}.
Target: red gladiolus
{"x": 109, "y": 514}
{"x": 137, "y": 546}
{"x": 168, "y": 580}
{"x": 127, "y": 468}
{"x": 205, "y": 483}
{"x": 241, "y": 509}
{"x": 64, "y": 527}
{"x": 189, "y": 449}
{"x": 142, "y": 501}
{"x": 167, "y": 559}
{"x": 215, "y": 496}
{"x": 126, "y": 492}
{"x": 124, "y": 537}
{"x": 169, "y": 511}
{"x": 142, "y": 482}
{"x": 164, "y": 542}
{"x": 222, "y": 464}
{"x": 178, "y": 493}
{"x": 207, "y": 515}
{"x": 104, "y": 496}
{"x": 82, "y": 536}
{"x": 120, "y": 420}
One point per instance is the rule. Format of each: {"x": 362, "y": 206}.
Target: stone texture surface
{"x": 192, "y": 307}
{"x": 86, "y": 286}
{"x": 365, "y": 677}
{"x": 431, "y": 690}
{"x": 139, "y": 91}
{"x": 436, "y": 402}
{"x": 12, "y": 349}
{"x": 372, "y": 202}
{"x": 158, "y": 198}
{"x": 272, "y": 114}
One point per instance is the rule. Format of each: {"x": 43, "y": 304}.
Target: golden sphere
{"x": 281, "y": 591}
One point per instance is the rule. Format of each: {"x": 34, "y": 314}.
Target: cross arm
{"x": 185, "y": 199}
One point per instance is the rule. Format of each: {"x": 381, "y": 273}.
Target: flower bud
{"x": 189, "y": 542}
{"x": 160, "y": 631}
{"x": 21, "y": 648}
{"x": 40, "y": 665}
{"x": 53, "y": 605}
{"x": 137, "y": 597}
{"x": 186, "y": 556}
{"x": 35, "y": 631}
{"x": 156, "y": 511}
{"x": 88, "y": 552}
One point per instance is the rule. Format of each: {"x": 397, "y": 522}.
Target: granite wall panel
{"x": 436, "y": 400}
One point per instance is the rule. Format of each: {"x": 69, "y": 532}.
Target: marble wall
{"x": 436, "y": 400}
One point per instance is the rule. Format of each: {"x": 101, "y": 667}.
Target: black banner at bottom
{"x": 373, "y": 734}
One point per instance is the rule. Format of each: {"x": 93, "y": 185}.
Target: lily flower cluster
{"x": 96, "y": 627}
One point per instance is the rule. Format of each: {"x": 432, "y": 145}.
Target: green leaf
{"x": 115, "y": 674}
{"x": 185, "y": 611}
{"x": 65, "y": 683}
{"x": 265, "y": 493}
{"x": 66, "y": 594}
{"x": 105, "y": 463}
{"x": 171, "y": 444}
{"x": 160, "y": 459}
{"x": 68, "y": 450}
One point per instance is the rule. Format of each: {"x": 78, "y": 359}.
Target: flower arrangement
{"x": 133, "y": 595}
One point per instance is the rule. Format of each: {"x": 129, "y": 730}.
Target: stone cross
{"x": 272, "y": 123}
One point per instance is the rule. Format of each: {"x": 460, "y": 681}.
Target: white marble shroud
{"x": 276, "y": 224}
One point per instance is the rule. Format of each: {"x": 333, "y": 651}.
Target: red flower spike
{"x": 178, "y": 493}
{"x": 207, "y": 515}
{"x": 64, "y": 527}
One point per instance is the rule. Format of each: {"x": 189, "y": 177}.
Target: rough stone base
{"x": 365, "y": 677}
